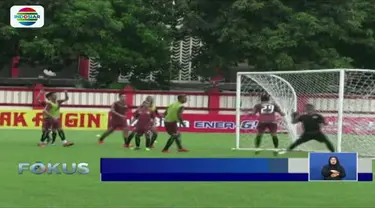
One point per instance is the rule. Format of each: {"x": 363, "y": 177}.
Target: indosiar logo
{"x": 39, "y": 168}
{"x": 28, "y": 16}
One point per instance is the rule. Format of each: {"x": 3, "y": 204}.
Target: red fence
{"x": 212, "y": 102}
{"x": 93, "y": 98}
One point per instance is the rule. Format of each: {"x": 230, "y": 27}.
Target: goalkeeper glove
{"x": 294, "y": 115}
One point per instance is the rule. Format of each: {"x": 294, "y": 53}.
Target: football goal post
{"x": 345, "y": 97}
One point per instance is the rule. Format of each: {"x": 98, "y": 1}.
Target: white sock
{"x": 65, "y": 141}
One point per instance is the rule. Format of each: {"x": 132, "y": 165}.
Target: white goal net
{"x": 345, "y": 97}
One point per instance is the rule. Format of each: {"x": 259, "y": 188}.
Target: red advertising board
{"x": 214, "y": 123}
{"x": 206, "y": 123}
{"x": 352, "y": 125}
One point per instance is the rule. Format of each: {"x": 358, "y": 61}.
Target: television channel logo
{"x": 28, "y": 16}
{"x": 39, "y": 168}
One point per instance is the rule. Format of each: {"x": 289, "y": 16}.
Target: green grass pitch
{"x": 87, "y": 191}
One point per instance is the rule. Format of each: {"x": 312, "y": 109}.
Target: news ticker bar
{"x": 214, "y": 169}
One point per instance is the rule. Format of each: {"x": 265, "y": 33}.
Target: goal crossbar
{"x": 305, "y": 71}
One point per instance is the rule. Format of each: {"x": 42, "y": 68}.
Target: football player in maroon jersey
{"x": 267, "y": 111}
{"x": 145, "y": 121}
{"x": 118, "y": 119}
{"x": 45, "y": 135}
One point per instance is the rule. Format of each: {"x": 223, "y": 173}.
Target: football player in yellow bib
{"x": 51, "y": 119}
{"x": 173, "y": 116}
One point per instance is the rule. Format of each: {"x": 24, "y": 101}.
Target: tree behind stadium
{"x": 124, "y": 35}
{"x": 283, "y": 34}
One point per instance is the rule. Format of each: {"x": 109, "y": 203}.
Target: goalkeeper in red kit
{"x": 267, "y": 120}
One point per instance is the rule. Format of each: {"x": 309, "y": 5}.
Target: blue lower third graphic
{"x": 206, "y": 177}
{"x": 198, "y": 169}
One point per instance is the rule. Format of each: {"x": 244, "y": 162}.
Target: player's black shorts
{"x": 317, "y": 136}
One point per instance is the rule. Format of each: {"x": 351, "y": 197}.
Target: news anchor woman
{"x": 333, "y": 170}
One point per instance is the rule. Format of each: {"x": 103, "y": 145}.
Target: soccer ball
{"x": 49, "y": 73}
